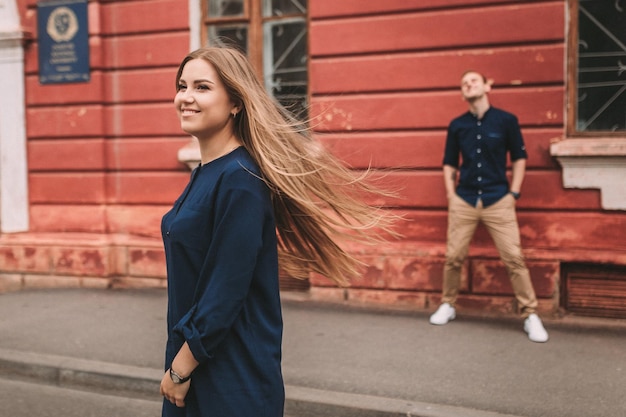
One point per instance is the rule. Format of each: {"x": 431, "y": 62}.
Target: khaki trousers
{"x": 501, "y": 222}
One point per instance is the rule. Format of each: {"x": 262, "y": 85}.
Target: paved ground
{"x": 337, "y": 361}
{"x": 25, "y": 399}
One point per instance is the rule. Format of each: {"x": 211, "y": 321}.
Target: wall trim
{"x": 595, "y": 163}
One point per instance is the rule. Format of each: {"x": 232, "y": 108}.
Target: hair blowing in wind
{"x": 318, "y": 201}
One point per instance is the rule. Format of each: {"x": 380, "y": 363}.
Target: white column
{"x": 195, "y": 21}
{"x": 13, "y": 166}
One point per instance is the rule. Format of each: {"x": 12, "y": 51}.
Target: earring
{"x": 234, "y": 115}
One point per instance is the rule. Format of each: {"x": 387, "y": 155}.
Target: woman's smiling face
{"x": 202, "y": 103}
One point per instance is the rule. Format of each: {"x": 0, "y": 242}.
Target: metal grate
{"x": 595, "y": 290}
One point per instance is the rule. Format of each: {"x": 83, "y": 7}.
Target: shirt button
{"x": 480, "y": 192}
{"x": 478, "y": 137}
{"x": 480, "y": 178}
{"x": 478, "y": 123}
{"x": 479, "y": 165}
{"x": 167, "y": 233}
{"x": 478, "y": 150}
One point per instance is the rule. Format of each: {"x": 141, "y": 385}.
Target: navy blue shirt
{"x": 483, "y": 145}
{"x": 223, "y": 291}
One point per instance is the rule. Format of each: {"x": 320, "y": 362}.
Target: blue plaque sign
{"x": 63, "y": 41}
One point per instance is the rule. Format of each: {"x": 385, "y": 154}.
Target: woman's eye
{"x": 202, "y": 87}
{"x": 181, "y": 87}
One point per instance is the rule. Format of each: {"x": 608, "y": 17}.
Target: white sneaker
{"x": 534, "y": 328}
{"x": 443, "y": 315}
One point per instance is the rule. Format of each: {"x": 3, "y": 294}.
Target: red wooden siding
{"x": 65, "y": 121}
{"x": 132, "y": 17}
{"x": 123, "y": 86}
{"x": 384, "y": 84}
{"x": 422, "y": 149}
{"x": 102, "y": 155}
{"x": 332, "y": 8}
{"x": 509, "y": 24}
{"x": 561, "y": 230}
{"x": 431, "y": 110}
{"x": 145, "y": 187}
{"x": 57, "y": 218}
{"x": 57, "y": 94}
{"x": 144, "y": 154}
{"x": 66, "y": 155}
{"x": 140, "y": 86}
{"x": 138, "y": 220}
{"x": 144, "y": 50}
{"x": 519, "y": 66}
{"x": 112, "y": 141}
{"x": 542, "y": 190}
{"x": 67, "y": 187}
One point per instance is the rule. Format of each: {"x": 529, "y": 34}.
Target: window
{"x": 597, "y": 68}
{"x": 273, "y": 33}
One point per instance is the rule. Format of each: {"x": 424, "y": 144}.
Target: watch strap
{"x": 177, "y": 379}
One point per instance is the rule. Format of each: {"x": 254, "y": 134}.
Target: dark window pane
{"x": 285, "y": 60}
{"x": 283, "y": 7}
{"x": 225, "y": 8}
{"x": 231, "y": 35}
{"x": 601, "y": 89}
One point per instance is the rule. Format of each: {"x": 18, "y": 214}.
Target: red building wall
{"x": 384, "y": 78}
{"x": 109, "y": 146}
{"x": 102, "y": 155}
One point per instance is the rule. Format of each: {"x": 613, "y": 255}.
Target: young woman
{"x": 261, "y": 173}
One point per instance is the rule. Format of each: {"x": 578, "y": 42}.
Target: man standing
{"x": 482, "y": 137}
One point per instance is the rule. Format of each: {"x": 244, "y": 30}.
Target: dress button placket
{"x": 479, "y": 164}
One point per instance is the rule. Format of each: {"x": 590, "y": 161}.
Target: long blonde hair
{"x": 317, "y": 200}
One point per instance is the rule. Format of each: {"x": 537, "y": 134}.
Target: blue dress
{"x": 223, "y": 291}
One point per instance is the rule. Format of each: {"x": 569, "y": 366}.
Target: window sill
{"x": 595, "y": 163}
{"x": 589, "y": 147}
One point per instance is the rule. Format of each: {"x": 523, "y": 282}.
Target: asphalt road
{"x": 337, "y": 356}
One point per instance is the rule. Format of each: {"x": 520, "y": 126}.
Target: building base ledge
{"x": 76, "y": 238}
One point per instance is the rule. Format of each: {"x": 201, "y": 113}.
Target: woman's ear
{"x": 237, "y": 106}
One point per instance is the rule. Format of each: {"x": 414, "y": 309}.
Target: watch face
{"x": 177, "y": 379}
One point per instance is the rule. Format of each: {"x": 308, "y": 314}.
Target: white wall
{"x": 13, "y": 165}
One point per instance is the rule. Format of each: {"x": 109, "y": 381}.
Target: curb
{"x": 311, "y": 402}
{"x": 139, "y": 382}
{"x": 87, "y": 375}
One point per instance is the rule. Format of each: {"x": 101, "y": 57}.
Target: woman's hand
{"x": 174, "y": 393}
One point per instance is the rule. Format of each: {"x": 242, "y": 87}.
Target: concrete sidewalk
{"x": 337, "y": 361}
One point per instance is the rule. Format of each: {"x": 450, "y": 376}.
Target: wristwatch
{"x": 177, "y": 379}
{"x": 516, "y": 195}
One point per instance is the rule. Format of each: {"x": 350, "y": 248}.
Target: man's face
{"x": 473, "y": 86}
